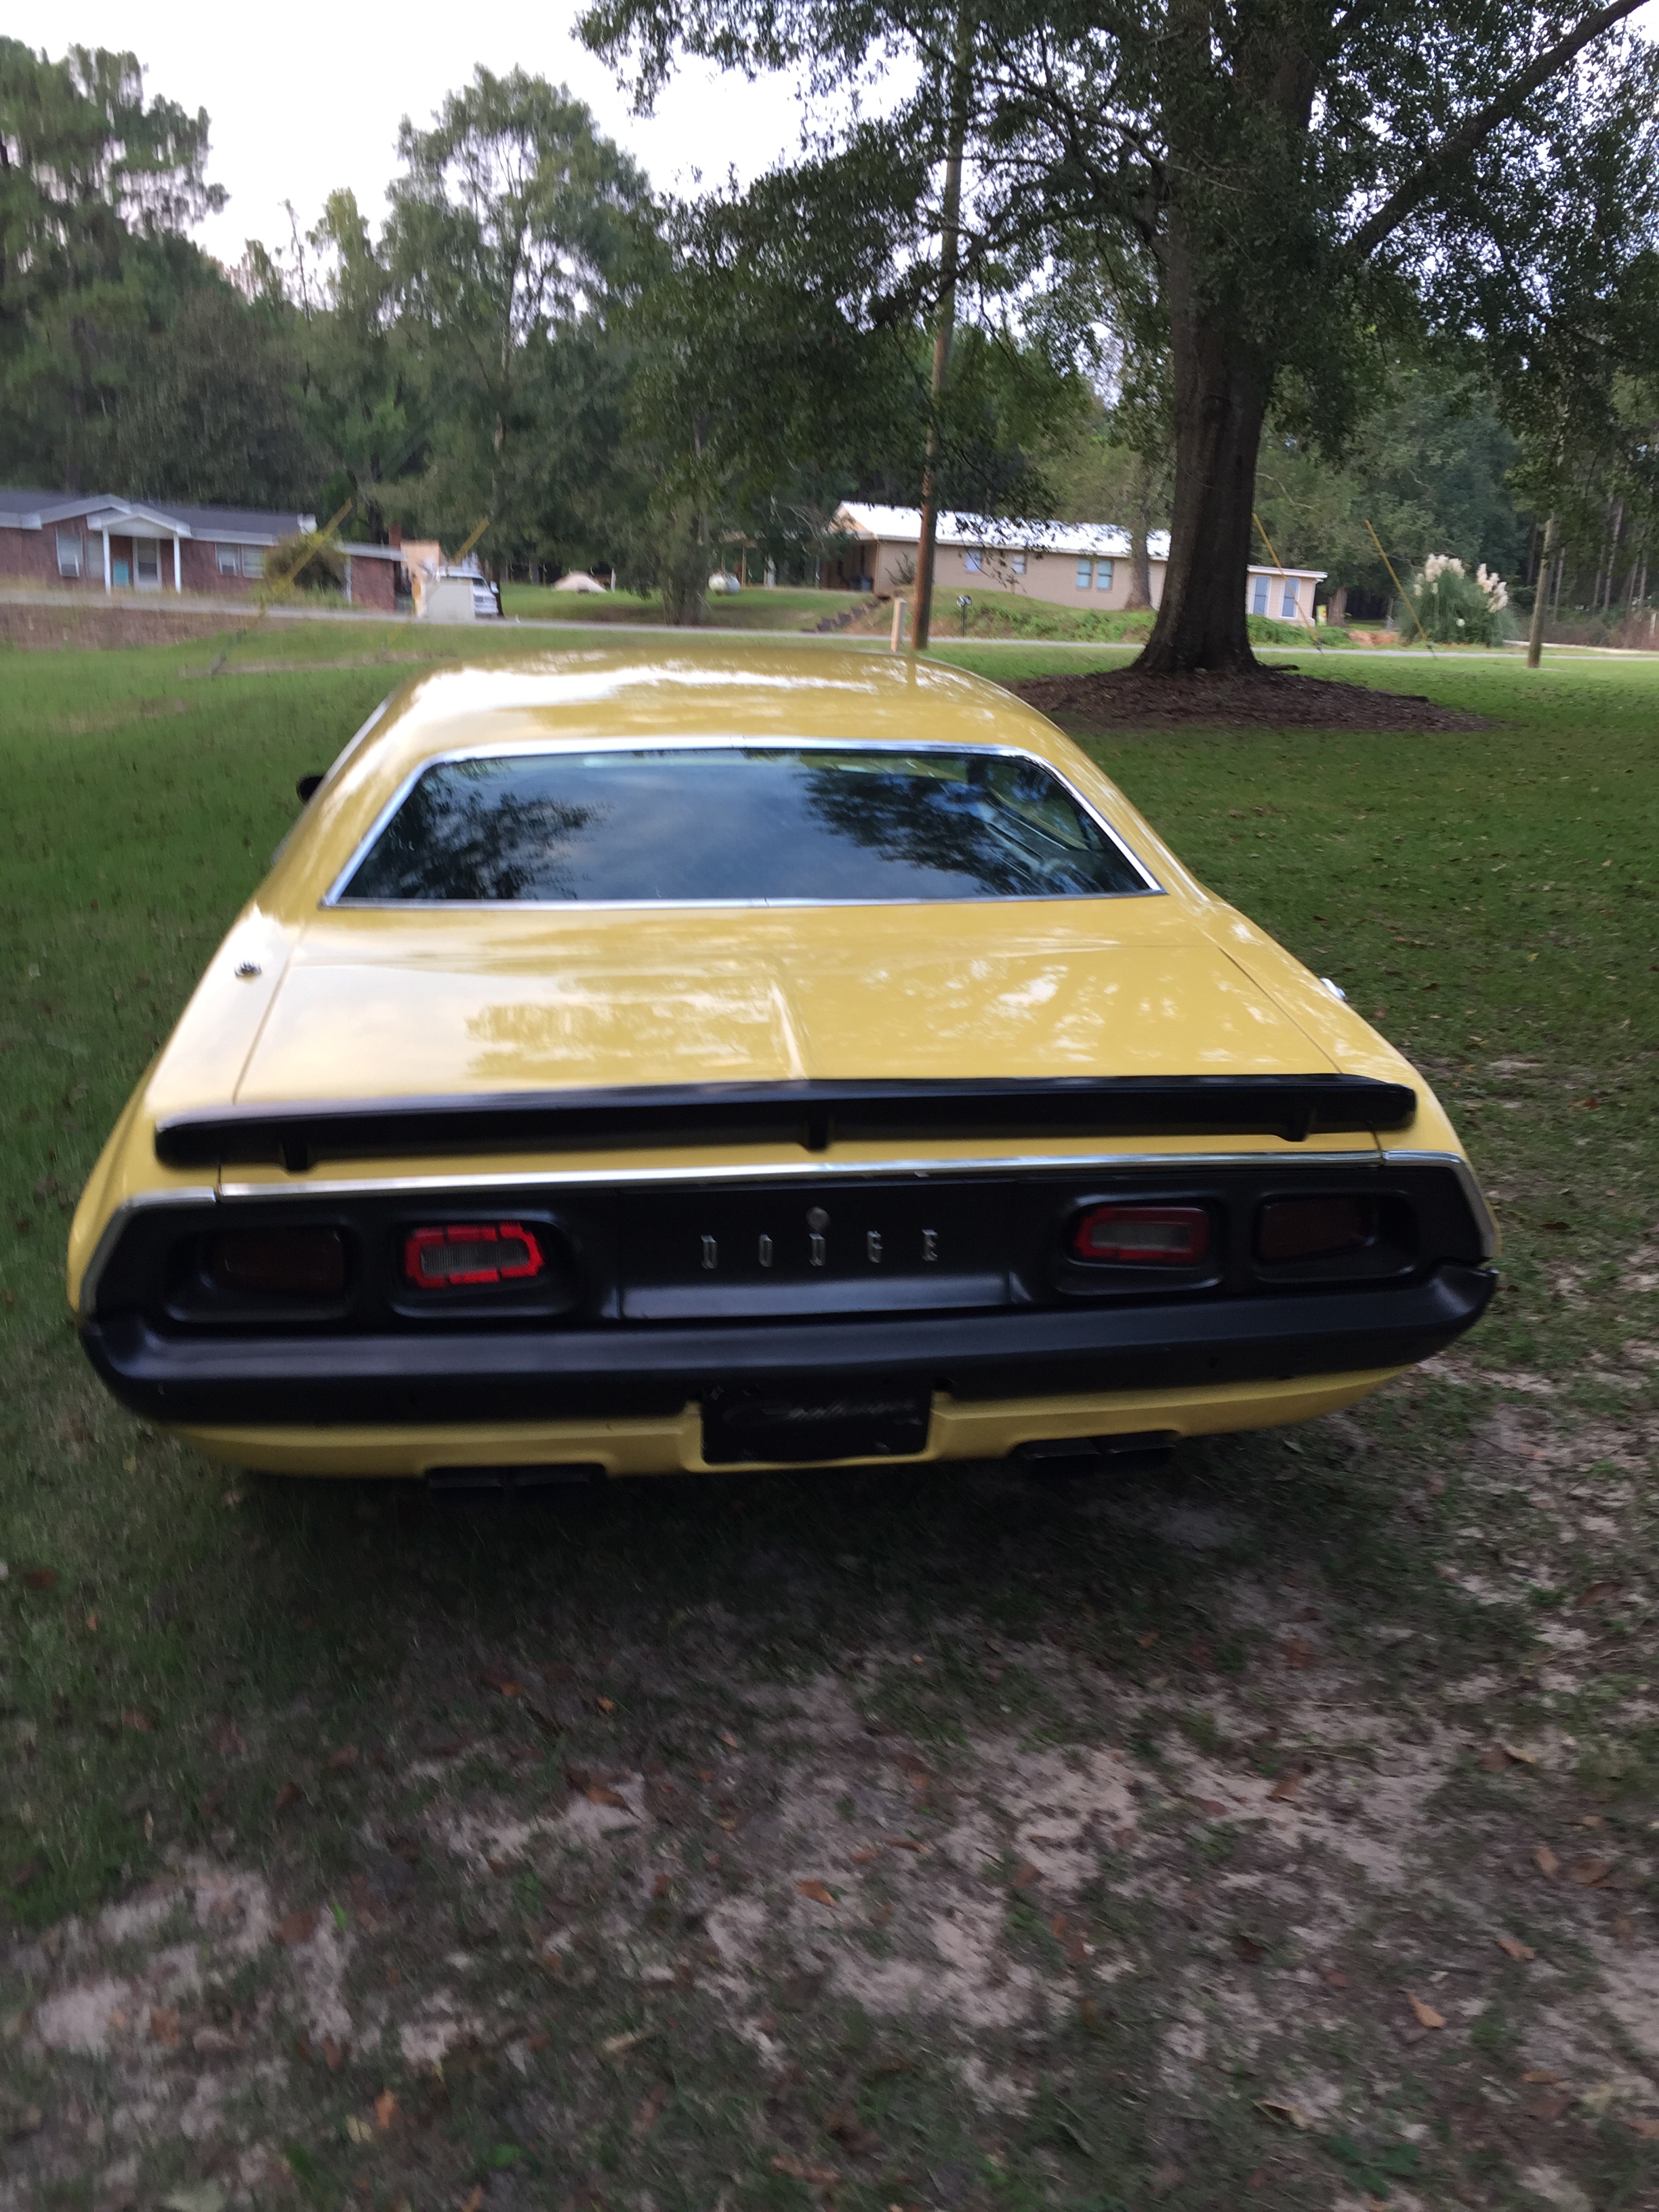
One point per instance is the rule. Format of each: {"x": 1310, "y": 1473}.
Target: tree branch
{"x": 1407, "y": 197}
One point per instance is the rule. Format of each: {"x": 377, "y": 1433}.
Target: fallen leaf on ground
{"x": 91, "y": 1622}
{"x": 616, "y": 2047}
{"x": 1595, "y": 2101}
{"x": 297, "y": 1927}
{"x": 41, "y": 1577}
{"x": 164, "y": 2026}
{"x": 843, "y": 2126}
{"x": 730, "y": 1741}
{"x": 1547, "y": 2105}
{"x": 286, "y": 1796}
{"x": 1297, "y": 1651}
{"x": 1333, "y": 1977}
{"x": 132, "y": 1718}
{"x": 1424, "y": 2015}
{"x": 1495, "y": 1761}
{"x": 820, "y": 1892}
{"x": 385, "y": 2108}
{"x": 650, "y": 2109}
{"x": 1148, "y": 1638}
{"x": 864, "y": 1858}
{"x": 334, "y": 2054}
{"x": 1024, "y": 1875}
{"x": 1288, "y": 1787}
{"x": 907, "y": 1844}
{"x": 1647, "y": 2129}
{"x": 358, "y": 2131}
{"x": 1519, "y": 1753}
{"x": 1251, "y": 1948}
{"x": 497, "y": 1678}
{"x": 473, "y": 2199}
{"x": 1589, "y": 1873}
{"x": 228, "y": 1741}
{"x": 821, "y": 2177}
{"x": 663, "y": 1886}
{"x": 1281, "y": 2110}
{"x": 1211, "y": 1807}
{"x": 605, "y": 1704}
{"x": 1515, "y": 1948}
{"x": 195, "y": 2196}
{"x": 1166, "y": 2178}
{"x": 596, "y": 1794}
{"x": 1546, "y": 1861}
{"x": 343, "y": 1761}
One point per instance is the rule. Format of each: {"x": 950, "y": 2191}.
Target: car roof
{"x": 649, "y": 690}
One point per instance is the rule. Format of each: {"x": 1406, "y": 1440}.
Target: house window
{"x": 147, "y": 560}
{"x": 1288, "y": 608}
{"x": 1259, "y": 597}
{"x": 1103, "y": 575}
{"x": 1019, "y": 564}
{"x": 253, "y": 561}
{"x": 68, "y": 552}
{"x": 1084, "y": 574}
{"x": 973, "y": 562}
{"x": 229, "y": 561}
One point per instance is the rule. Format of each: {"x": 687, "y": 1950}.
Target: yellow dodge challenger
{"x": 651, "y": 1060}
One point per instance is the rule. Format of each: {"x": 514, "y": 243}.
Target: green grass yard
{"x": 1142, "y": 1830}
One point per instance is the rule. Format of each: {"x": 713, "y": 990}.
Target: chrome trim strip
{"x": 335, "y": 894}
{"x": 789, "y": 1172}
{"x": 1490, "y": 1239}
{"x": 191, "y": 1194}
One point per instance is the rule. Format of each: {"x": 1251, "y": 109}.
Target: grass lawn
{"x": 784, "y": 608}
{"x": 1276, "y": 1830}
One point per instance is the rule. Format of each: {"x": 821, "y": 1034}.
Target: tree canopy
{"x": 1280, "y": 192}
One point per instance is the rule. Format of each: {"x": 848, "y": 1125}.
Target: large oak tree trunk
{"x": 1220, "y": 399}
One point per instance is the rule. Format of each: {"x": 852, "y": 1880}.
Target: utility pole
{"x": 949, "y": 255}
{"x": 1535, "y": 635}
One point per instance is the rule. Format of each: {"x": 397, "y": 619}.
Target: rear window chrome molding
{"x": 335, "y": 896}
{"x": 200, "y": 1195}
{"x": 1490, "y": 1240}
{"x": 786, "y": 1171}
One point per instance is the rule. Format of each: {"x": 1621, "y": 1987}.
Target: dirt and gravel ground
{"x": 1243, "y": 1831}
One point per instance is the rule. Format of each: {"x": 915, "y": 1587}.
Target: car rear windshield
{"x": 772, "y": 823}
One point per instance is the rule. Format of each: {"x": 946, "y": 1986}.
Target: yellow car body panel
{"x": 308, "y": 1001}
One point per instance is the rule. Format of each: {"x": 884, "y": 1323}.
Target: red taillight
{"x": 463, "y": 1252}
{"x": 277, "y": 1263}
{"x": 1143, "y": 1235}
{"x": 1313, "y": 1228}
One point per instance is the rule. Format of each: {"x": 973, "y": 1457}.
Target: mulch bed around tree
{"x": 1273, "y": 698}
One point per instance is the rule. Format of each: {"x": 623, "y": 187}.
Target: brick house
{"x": 1069, "y": 565}
{"x": 93, "y": 542}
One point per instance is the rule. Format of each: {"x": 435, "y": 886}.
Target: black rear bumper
{"x": 555, "y": 1372}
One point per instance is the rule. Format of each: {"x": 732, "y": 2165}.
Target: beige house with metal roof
{"x": 1069, "y": 565}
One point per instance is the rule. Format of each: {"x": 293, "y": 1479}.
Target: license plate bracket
{"x": 804, "y": 1423}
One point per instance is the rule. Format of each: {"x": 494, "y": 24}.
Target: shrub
{"x": 308, "y": 566}
{"x": 1457, "y": 609}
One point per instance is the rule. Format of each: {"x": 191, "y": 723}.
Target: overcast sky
{"x": 300, "y": 103}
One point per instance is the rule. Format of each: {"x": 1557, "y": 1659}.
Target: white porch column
{"x": 178, "y": 568}
{"x": 105, "y": 534}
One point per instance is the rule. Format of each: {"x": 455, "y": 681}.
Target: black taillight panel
{"x": 1334, "y": 1237}
{"x": 370, "y": 1262}
{"x": 265, "y": 1271}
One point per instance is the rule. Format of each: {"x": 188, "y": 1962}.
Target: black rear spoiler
{"x": 811, "y": 1115}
